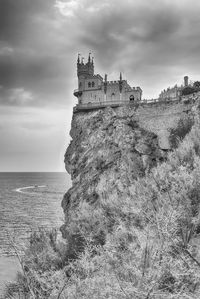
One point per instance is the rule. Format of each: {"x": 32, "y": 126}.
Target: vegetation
{"x": 188, "y": 90}
{"x": 196, "y": 85}
{"x": 183, "y": 128}
{"x": 145, "y": 246}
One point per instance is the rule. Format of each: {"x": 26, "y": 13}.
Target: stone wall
{"x": 161, "y": 117}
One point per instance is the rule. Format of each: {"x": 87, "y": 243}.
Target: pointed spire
{"x": 89, "y": 58}
{"x": 120, "y": 76}
{"x": 82, "y": 60}
{"x": 92, "y": 60}
{"x": 105, "y": 84}
{"x": 78, "y": 60}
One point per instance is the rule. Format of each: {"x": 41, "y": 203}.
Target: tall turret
{"x": 85, "y": 69}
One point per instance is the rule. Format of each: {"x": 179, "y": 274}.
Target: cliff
{"x": 132, "y": 215}
{"x": 110, "y": 149}
{"x": 135, "y": 174}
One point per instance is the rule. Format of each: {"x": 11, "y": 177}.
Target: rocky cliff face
{"x": 110, "y": 149}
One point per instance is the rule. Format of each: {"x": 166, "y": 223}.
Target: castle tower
{"x": 84, "y": 70}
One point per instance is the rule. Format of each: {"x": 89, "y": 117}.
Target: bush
{"x": 196, "y": 85}
{"x": 188, "y": 90}
{"x": 41, "y": 264}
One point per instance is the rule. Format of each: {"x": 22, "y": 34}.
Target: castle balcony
{"x": 77, "y": 93}
{"x": 104, "y": 104}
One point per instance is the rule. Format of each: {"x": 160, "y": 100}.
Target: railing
{"x": 103, "y": 104}
{"x": 116, "y": 103}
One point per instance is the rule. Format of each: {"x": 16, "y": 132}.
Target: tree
{"x": 197, "y": 84}
{"x": 188, "y": 90}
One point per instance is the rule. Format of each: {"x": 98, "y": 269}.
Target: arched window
{"x": 131, "y": 98}
{"x": 93, "y": 84}
{"x": 112, "y": 96}
{"x": 89, "y": 84}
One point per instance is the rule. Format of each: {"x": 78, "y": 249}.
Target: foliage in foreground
{"x": 151, "y": 240}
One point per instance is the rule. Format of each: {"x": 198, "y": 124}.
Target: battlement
{"x": 134, "y": 89}
{"x": 112, "y": 82}
{"x": 115, "y": 82}
{"x": 85, "y": 69}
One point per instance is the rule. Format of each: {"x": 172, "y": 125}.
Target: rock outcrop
{"x": 110, "y": 149}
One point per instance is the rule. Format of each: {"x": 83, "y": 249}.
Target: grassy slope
{"x": 151, "y": 249}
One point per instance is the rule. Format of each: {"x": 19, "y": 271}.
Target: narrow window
{"x": 93, "y": 84}
{"x": 89, "y": 84}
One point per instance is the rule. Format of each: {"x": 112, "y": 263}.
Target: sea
{"x": 27, "y": 201}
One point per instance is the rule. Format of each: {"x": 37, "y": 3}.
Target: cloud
{"x": 153, "y": 42}
{"x": 34, "y": 53}
{"x": 67, "y": 8}
{"x": 40, "y": 41}
{"x": 19, "y": 96}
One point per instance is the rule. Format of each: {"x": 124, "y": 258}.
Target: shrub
{"x": 196, "y": 84}
{"x": 188, "y": 90}
{"x": 183, "y": 128}
{"x": 41, "y": 264}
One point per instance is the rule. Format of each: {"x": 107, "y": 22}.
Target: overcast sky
{"x": 154, "y": 43}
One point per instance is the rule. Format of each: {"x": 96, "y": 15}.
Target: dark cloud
{"x": 145, "y": 39}
{"x": 153, "y": 42}
{"x": 17, "y": 17}
{"x": 33, "y": 52}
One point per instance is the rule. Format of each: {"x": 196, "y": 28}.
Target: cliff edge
{"x": 110, "y": 149}
{"x": 135, "y": 190}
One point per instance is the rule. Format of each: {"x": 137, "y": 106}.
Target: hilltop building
{"x": 93, "y": 90}
{"x": 172, "y": 93}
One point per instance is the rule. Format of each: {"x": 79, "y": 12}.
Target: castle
{"x": 175, "y": 92}
{"x": 94, "y": 91}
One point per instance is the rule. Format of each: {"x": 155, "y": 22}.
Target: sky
{"x": 154, "y": 43}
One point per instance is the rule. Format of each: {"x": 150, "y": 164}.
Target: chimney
{"x": 186, "y": 81}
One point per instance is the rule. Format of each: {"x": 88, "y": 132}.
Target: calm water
{"x": 27, "y": 200}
